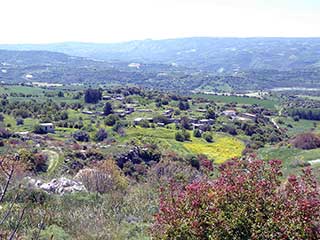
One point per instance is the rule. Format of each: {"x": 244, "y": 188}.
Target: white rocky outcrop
{"x": 58, "y": 186}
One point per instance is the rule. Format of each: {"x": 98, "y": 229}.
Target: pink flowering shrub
{"x": 248, "y": 200}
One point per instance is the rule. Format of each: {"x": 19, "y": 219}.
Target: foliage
{"x": 107, "y": 110}
{"x": 306, "y": 141}
{"x": 104, "y": 177}
{"x": 182, "y": 136}
{"x": 111, "y": 120}
{"x": 197, "y": 133}
{"x": 92, "y": 95}
{"x": 81, "y": 136}
{"x": 208, "y": 137}
{"x": 101, "y": 135}
{"x": 247, "y": 201}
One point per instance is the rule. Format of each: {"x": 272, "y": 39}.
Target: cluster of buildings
{"x": 234, "y": 115}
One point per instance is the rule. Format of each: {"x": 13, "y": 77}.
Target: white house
{"x": 47, "y": 127}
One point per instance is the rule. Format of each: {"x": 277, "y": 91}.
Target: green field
{"x": 240, "y": 100}
{"x": 223, "y": 148}
{"x": 300, "y": 126}
{"x": 289, "y": 156}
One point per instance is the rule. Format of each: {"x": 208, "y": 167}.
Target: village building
{"x": 230, "y": 113}
{"x": 129, "y": 109}
{"x": 144, "y": 110}
{"x": 206, "y": 121}
{"x": 47, "y": 127}
{"x": 87, "y": 112}
{"x": 201, "y": 110}
{"x": 139, "y": 119}
{"x": 250, "y": 116}
{"x": 106, "y": 97}
{"x": 160, "y": 124}
{"x": 197, "y": 125}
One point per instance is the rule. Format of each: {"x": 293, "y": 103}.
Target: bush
{"x": 4, "y": 133}
{"x": 179, "y": 137}
{"x": 144, "y": 124}
{"x": 101, "y": 135}
{"x": 111, "y": 120}
{"x": 306, "y": 141}
{"x": 38, "y": 129}
{"x": 54, "y": 232}
{"x": 106, "y": 176}
{"x": 107, "y": 110}
{"x": 208, "y": 137}
{"x": 197, "y": 133}
{"x": 19, "y": 121}
{"x": 247, "y": 201}
{"x": 81, "y": 136}
{"x": 182, "y": 136}
{"x": 92, "y": 96}
{"x": 194, "y": 162}
{"x": 296, "y": 118}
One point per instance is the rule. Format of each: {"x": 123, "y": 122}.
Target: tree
{"x": 183, "y": 105}
{"x": 248, "y": 200}
{"x": 107, "y": 110}
{"x": 60, "y": 94}
{"x": 211, "y": 114}
{"x": 104, "y": 177}
{"x": 111, "y": 120}
{"x": 92, "y": 96}
{"x": 19, "y": 121}
{"x": 185, "y": 123}
{"x": 182, "y": 136}
{"x": 197, "y": 133}
{"x": 38, "y": 129}
{"x": 101, "y": 135}
{"x": 179, "y": 137}
{"x": 81, "y": 136}
{"x": 208, "y": 137}
{"x": 306, "y": 141}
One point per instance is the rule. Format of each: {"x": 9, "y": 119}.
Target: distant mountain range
{"x": 203, "y": 64}
{"x": 220, "y": 55}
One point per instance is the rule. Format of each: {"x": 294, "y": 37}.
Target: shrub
{"x": 194, "y": 162}
{"x": 247, "y": 201}
{"x": 81, "y": 136}
{"x": 107, "y": 110}
{"x": 19, "y": 121}
{"x": 179, "y": 137}
{"x": 4, "y": 133}
{"x": 104, "y": 177}
{"x": 92, "y": 96}
{"x": 182, "y": 136}
{"x": 101, "y": 135}
{"x": 144, "y": 124}
{"x": 38, "y": 129}
{"x": 296, "y": 118}
{"x": 208, "y": 137}
{"x": 111, "y": 120}
{"x": 306, "y": 141}
{"x": 197, "y": 133}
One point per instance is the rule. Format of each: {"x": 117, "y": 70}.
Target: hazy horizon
{"x": 45, "y": 21}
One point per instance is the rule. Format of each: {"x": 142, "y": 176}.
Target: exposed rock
{"x": 58, "y": 186}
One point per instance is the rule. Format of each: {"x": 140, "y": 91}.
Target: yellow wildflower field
{"x": 222, "y": 149}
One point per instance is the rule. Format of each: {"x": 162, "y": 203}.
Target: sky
{"x": 47, "y": 21}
